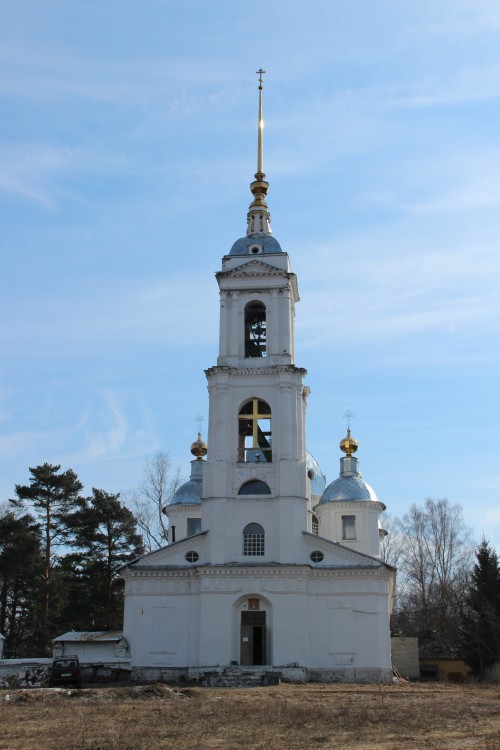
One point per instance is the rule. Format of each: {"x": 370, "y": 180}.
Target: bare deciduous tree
{"x": 392, "y": 549}
{"x": 435, "y": 558}
{"x": 158, "y": 484}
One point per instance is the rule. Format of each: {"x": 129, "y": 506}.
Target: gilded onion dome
{"x": 349, "y": 445}
{"x": 199, "y": 448}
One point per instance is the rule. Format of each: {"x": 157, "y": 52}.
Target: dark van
{"x": 66, "y": 671}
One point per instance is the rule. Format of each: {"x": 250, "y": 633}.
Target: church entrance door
{"x": 253, "y": 638}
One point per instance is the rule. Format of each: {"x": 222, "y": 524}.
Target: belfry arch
{"x": 255, "y": 330}
{"x": 254, "y": 432}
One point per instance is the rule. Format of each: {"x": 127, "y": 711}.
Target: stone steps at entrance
{"x": 236, "y": 676}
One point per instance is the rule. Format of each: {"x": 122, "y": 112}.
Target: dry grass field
{"x": 290, "y": 717}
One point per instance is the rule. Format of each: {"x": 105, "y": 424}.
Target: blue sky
{"x": 127, "y": 144}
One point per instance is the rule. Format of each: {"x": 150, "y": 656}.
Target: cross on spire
{"x": 199, "y": 419}
{"x": 260, "y": 73}
{"x": 348, "y": 415}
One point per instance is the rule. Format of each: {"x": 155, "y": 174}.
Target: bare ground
{"x": 284, "y": 717}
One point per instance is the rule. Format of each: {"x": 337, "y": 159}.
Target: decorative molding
{"x": 253, "y": 268}
{"x": 239, "y": 570}
{"x": 271, "y": 370}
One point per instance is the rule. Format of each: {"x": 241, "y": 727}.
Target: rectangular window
{"x": 348, "y": 527}
{"x": 253, "y": 544}
{"x": 193, "y": 526}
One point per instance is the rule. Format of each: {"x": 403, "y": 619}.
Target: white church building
{"x": 266, "y": 566}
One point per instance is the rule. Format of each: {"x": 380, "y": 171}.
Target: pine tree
{"x": 21, "y": 564}
{"x": 104, "y": 537}
{"x": 481, "y": 617}
{"x": 51, "y": 495}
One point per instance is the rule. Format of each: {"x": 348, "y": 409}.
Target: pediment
{"x": 173, "y": 554}
{"x": 253, "y": 268}
{"x": 337, "y": 555}
{"x": 258, "y": 270}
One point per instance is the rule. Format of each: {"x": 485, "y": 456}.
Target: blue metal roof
{"x": 269, "y": 245}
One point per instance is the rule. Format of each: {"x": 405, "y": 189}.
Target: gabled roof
{"x": 149, "y": 557}
{"x": 352, "y": 556}
{"x": 257, "y": 269}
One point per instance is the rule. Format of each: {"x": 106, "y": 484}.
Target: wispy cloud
{"x": 466, "y": 84}
{"x": 181, "y": 312}
{"x": 34, "y": 171}
{"x": 55, "y": 74}
{"x": 391, "y": 289}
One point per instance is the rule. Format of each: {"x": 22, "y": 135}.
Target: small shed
{"x": 2, "y": 639}
{"x": 442, "y": 659}
{"x": 107, "y": 647}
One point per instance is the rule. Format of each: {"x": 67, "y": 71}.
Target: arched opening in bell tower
{"x": 254, "y": 432}
{"x": 255, "y": 330}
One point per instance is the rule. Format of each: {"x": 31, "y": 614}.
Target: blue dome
{"x": 267, "y": 245}
{"x": 348, "y": 489}
{"x": 318, "y": 479}
{"x": 188, "y": 493}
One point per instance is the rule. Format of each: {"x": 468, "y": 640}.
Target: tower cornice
{"x": 261, "y": 371}
{"x": 256, "y": 269}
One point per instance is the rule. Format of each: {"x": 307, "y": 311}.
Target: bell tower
{"x": 255, "y": 473}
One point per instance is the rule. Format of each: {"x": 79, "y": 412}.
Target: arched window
{"x": 255, "y": 330}
{"x": 315, "y": 525}
{"x": 254, "y": 487}
{"x": 253, "y": 539}
{"x": 254, "y": 432}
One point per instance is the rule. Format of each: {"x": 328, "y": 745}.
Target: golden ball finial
{"x": 199, "y": 448}
{"x": 348, "y": 444}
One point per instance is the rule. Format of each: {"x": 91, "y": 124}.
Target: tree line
{"x": 447, "y": 588}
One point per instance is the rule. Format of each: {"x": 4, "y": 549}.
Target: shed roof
{"x": 87, "y": 636}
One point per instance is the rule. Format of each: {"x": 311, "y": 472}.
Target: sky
{"x": 128, "y": 136}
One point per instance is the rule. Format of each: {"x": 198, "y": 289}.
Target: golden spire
{"x": 199, "y": 448}
{"x": 258, "y": 214}
{"x": 260, "y": 132}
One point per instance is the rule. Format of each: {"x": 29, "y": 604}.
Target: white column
{"x": 236, "y": 334}
{"x": 223, "y": 334}
{"x": 285, "y": 338}
{"x": 292, "y": 329}
{"x": 273, "y": 325}
{"x": 286, "y": 413}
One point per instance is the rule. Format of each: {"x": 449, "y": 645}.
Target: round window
{"x": 192, "y": 557}
{"x": 316, "y": 556}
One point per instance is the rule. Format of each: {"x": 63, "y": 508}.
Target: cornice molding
{"x": 271, "y": 370}
{"x": 253, "y": 268}
{"x": 280, "y": 571}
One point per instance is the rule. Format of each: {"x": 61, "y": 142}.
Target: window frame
{"x": 317, "y": 556}
{"x": 254, "y": 538}
{"x": 346, "y": 526}
{"x": 198, "y": 526}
